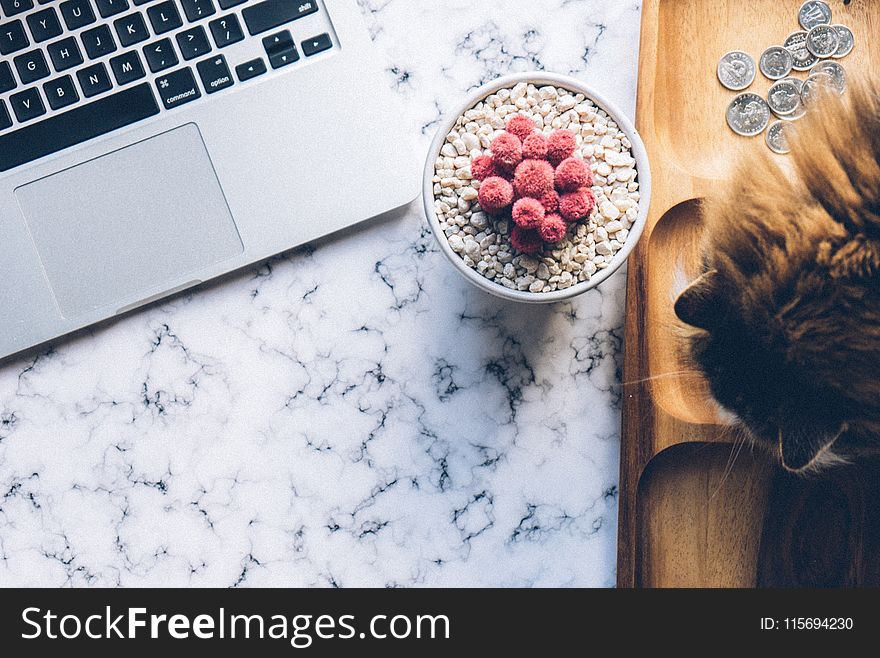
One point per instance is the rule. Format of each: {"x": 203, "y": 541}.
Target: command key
{"x": 177, "y": 88}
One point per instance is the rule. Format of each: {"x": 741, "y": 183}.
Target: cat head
{"x": 753, "y": 355}
{"x": 785, "y": 319}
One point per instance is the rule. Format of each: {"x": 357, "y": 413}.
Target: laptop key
{"x": 94, "y": 80}
{"x": 193, "y": 42}
{"x": 108, "y": 8}
{"x": 98, "y": 42}
{"x": 7, "y": 80}
{"x": 228, "y": 4}
{"x": 13, "y": 7}
{"x": 44, "y": 24}
{"x": 215, "y": 74}
{"x": 27, "y": 105}
{"x": 317, "y": 44}
{"x": 127, "y": 67}
{"x": 160, "y": 55}
{"x": 31, "y": 66}
{"x": 226, "y": 30}
{"x": 196, "y": 10}
{"x": 164, "y": 17}
{"x": 278, "y": 41}
{"x": 77, "y": 14}
{"x": 76, "y": 126}
{"x": 65, "y": 54}
{"x": 60, "y": 92}
{"x": 131, "y": 29}
{"x": 281, "y": 49}
{"x": 263, "y": 16}
{"x": 5, "y": 119}
{"x": 178, "y": 88}
{"x": 283, "y": 57}
{"x": 250, "y": 69}
{"x": 12, "y": 38}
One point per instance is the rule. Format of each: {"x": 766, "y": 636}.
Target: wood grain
{"x": 823, "y": 532}
{"x": 700, "y": 513}
{"x": 676, "y": 526}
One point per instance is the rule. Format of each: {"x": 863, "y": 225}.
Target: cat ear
{"x": 699, "y": 305}
{"x": 801, "y": 447}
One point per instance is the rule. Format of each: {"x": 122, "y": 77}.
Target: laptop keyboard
{"x": 75, "y": 70}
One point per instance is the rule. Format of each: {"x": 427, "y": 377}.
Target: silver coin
{"x": 814, "y": 13}
{"x": 784, "y": 98}
{"x": 847, "y": 41}
{"x": 817, "y": 85}
{"x": 748, "y": 114}
{"x": 797, "y": 82}
{"x": 835, "y": 70}
{"x": 794, "y": 116}
{"x": 801, "y": 111}
{"x": 736, "y": 70}
{"x": 776, "y": 138}
{"x": 823, "y": 40}
{"x": 776, "y": 62}
{"x": 796, "y": 44}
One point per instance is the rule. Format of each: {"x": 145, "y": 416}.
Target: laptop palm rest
{"x": 130, "y": 224}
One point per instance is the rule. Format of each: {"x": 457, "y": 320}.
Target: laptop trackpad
{"x": 130, "y": 224}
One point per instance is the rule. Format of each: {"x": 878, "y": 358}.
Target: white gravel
{"x": 483, "y": 242}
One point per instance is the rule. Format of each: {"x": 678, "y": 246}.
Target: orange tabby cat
{"x": 786, "y": 317}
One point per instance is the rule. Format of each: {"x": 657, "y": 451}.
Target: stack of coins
{"x": 813, "y": 49}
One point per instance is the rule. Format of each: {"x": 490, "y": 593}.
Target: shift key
{"x": 178, "y": 88}
{"x": 272, "y": 13}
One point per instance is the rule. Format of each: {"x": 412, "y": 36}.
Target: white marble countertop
{"x": 353, "y": 413}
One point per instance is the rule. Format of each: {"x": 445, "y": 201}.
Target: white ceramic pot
{"x": 539, "y": 79}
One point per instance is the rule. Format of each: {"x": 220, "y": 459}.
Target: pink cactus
{"x": 535, "y": 182}
{"x": 495, "y": 194}
{"x": 506, "y": 151}
{"x": 550, "y": 201}
{"x": 535, "y": 147}
{"x": 533, "y": 178}
{"x": 521, "y": 126}
{"x": 482, "y": 167}
{"x": 528, "y": 213}
{"x": 553, "y": 229}
{"x": 574, "y": 206}
{"x": 526, "y": 240}
{"x": 572, "y": 174}
{"x": 560, "y": 145}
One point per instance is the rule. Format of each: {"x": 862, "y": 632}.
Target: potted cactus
{"x": 537, "y": 181}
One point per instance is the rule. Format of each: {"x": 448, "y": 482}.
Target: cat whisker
{"x": 742, "y": 437}
{"x": 728, "y": 467}
{"x": 678, "y": 373}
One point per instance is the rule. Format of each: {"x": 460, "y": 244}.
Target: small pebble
{"x": 479, "y": 220}
{"x": 609, "y": 210}
{"x": 456, "y": 243}
{"x": 471, "y": 141}
{"x": 468, "y": 194}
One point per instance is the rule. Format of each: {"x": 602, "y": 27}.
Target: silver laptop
{"x": 149, "y": 145}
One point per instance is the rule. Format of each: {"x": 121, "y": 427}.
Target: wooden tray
{"x": 687, "y": 517}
